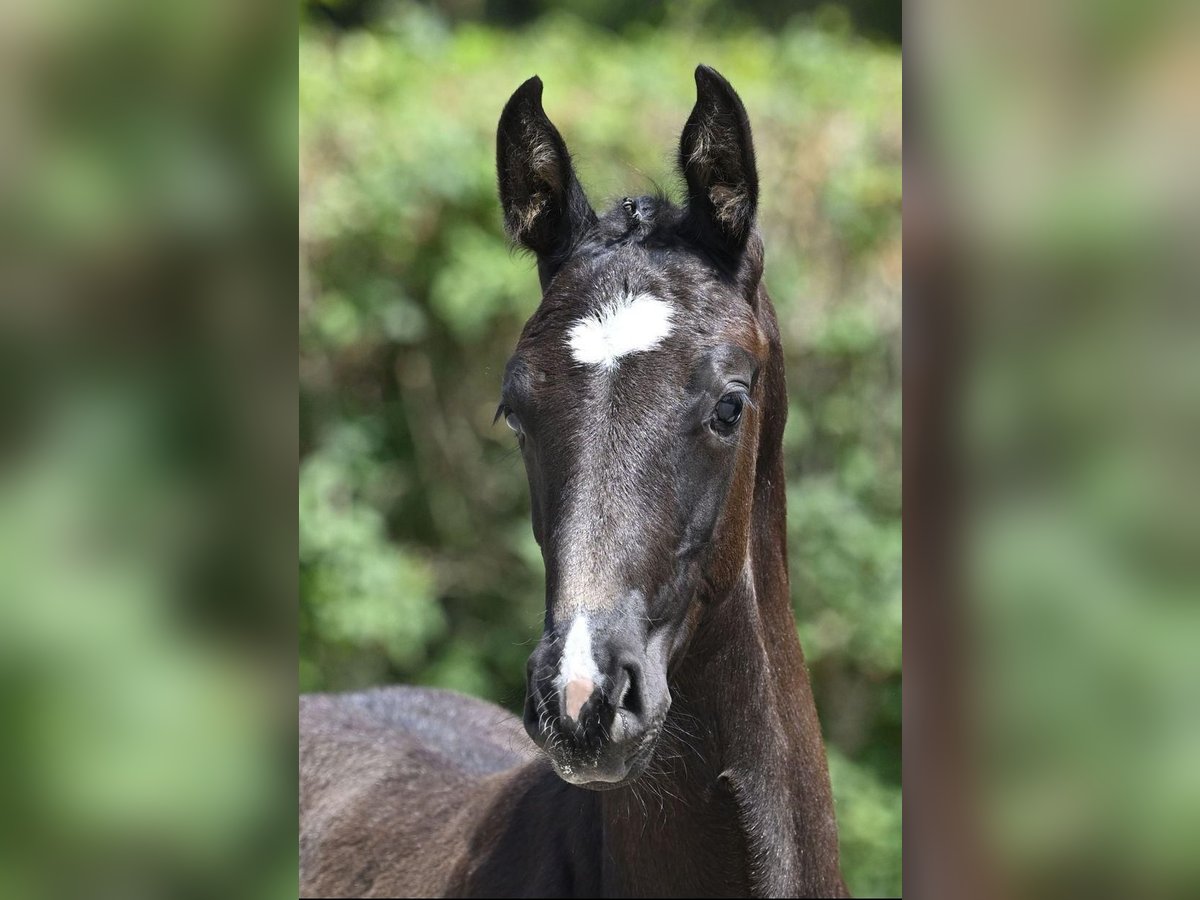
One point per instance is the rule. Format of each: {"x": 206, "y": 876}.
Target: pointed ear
{"x": 545, "y": 208}
{"x": 716, "y": 156}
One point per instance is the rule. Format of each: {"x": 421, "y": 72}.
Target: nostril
{"x": 631, "y": 695}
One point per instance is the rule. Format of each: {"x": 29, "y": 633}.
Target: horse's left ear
{"x": 716, "y": 155}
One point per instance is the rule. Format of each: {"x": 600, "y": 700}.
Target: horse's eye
{"x": 729, "y": 409}
{"x": 513, "y": 422}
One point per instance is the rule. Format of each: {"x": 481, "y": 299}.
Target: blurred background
{"x": 147, "y": 447}
{"x": 1052, "y": 433}
{"x": 417, "y": 559}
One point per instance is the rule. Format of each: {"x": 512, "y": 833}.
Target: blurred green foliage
{"x": 148, "y": 740}
{"x": 879, "y": 19}
{"x": 417, "y": 561}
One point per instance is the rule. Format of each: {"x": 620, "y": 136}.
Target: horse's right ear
{"x": 545, "y": 208}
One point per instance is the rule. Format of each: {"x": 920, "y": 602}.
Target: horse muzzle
{"x": 595, "y": 702}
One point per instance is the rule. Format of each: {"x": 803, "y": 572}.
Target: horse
{"x": 676, "y": 749}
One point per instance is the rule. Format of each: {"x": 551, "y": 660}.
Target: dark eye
{"x": 511, "y": 420}
{"x": 729, "y": 409}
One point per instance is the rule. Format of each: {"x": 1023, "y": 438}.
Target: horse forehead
{"x": 601, "y": 323}
{"x": 625, "y": 323}
{"x": 590, "y": 285}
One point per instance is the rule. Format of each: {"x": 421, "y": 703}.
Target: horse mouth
{"x": 594, "y": 775}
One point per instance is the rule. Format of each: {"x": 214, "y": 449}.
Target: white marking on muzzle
{"x": 578, "y": 676}
{"x": 630, "y": 324}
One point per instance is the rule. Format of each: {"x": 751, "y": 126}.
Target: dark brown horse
{"x": 678, "y": 751}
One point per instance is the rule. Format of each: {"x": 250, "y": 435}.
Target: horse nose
{"x": 584, "y": 687}
{"x": 576, "y": 693}
{"x": 622, "y": 691}
{"x": 579, "y": 674}
{"x": 595, "y": 701}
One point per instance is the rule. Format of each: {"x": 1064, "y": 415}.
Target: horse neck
{"x": 740, "y": 796}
